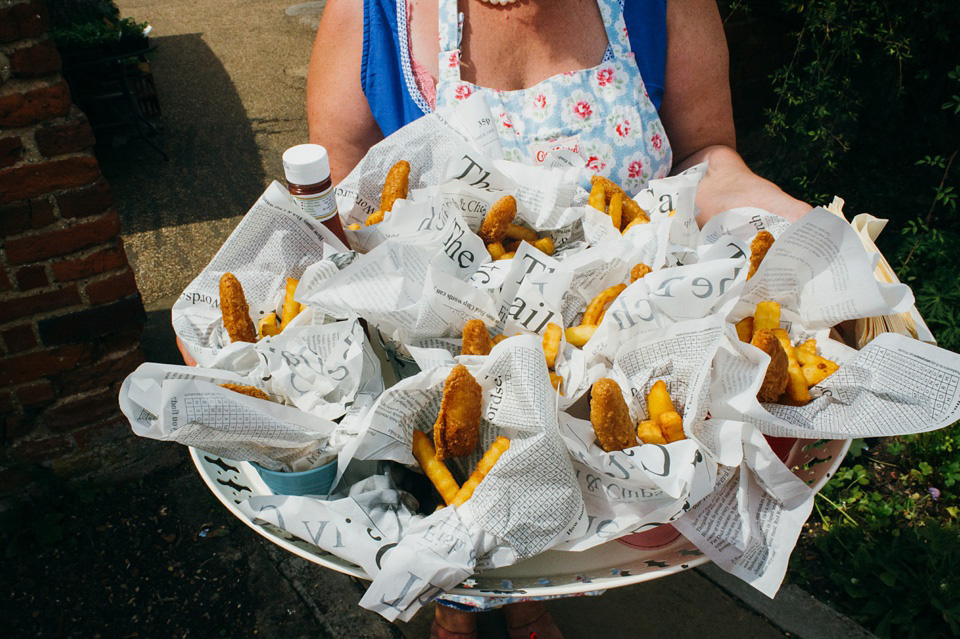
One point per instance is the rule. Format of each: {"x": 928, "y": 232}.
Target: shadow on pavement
{"x": 214, "y": 170}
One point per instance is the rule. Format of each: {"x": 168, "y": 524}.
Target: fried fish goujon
{"x": 457, "y": 429}
{"x": 244, "y": 389}
{"x": 476, "y": 338}
{"x": 498, "y": 219}
{"x": 775, "y": 380}
{"x": 610, "y": 416}
{"x": 758, "y": 250}
{"x": 395, "y": 185}
{"x": 236, "y": 311}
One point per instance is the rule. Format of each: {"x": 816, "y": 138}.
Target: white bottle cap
{"x": 306, "y": 164}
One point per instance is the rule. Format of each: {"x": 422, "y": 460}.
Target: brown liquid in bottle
{"x": 307, "y": 170}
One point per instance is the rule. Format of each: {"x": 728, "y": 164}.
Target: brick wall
{"x": 70, "y": 312}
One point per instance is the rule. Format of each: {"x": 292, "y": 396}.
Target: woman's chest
{"x": 516, "y": 46}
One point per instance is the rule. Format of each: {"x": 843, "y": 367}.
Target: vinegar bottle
{"x": 307, "y": 169}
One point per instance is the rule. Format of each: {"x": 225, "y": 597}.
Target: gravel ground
{"x": 162, "y": 558}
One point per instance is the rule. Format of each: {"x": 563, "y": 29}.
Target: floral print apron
{"x": 604, "y": 113}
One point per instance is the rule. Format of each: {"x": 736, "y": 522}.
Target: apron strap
{"x": 449, "y": 25}
{"x": 613, "y": 21}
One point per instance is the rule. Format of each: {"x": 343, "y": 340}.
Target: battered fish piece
{"x": 236, "y": 311}
{"x": 457, "y": 429}
{"x": 610, "y": 417}
{"x": 476, "y": 338}
{"x": 758, "y": 250}
{"x": 498, "y": 220}
{"x": 243, "y": 389}
{"x": 775, "y": 380}
{"x": 639, "y": 271}
{"x": 396, "y": 185}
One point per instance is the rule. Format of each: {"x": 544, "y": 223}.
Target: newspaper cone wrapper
{"x": 313, "y": 374}
{"x": 186, "y": 404}
{"x": 458, "y": 143}
{"x": 274, "y": 241}
{"x": 648, "y": 485}
{"x": 529, "y": 501}
{"x": 910, "y": 322}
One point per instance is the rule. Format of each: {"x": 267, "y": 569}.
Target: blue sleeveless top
{"x": 391, "y": 90}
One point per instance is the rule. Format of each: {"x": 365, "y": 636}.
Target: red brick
{"x": 39, "y": 59}
{"x": 41, "y": 213}
{"x": 22, "y": 307}
{"x": 85, "y": 201}
{"x": 36, "y": 394}
{"x": 11, "y": 150}
{"x": 20, "y": 338}
{"x": 30, "y": 180}
{"x": 5, "y": 282}
{"x": 112, "y": 288}
{"x": 14, "y": 481}
{"x": 122, "y": 341}
{"x": 105, "y": 372}
{"x": 31, "y": 277}
{"x": 103, "y": 433}
{"x": 36, "y": 105}
{"x": 82, "y": 325}
{"x": 101, "y": 261}
{"x": 40, "y": 450}
{"x": 6, "y": 403}
{"x": 21, "y": 216}
{"x": 23, "y": 20}
{"x": 81, "y": 410}
{"x": 14, "y": 218}
{"x": 63, "y": 241}
{"x": 18, "y": 425}
{"x": 30, "y": 366}
{"x": 57, "y": 139}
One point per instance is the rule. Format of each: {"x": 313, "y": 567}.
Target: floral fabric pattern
{"x": 606, "y": 107}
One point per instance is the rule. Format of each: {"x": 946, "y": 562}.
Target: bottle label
{"x": 320, "y": 206}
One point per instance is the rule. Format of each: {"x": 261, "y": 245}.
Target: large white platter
{"x": 611, "y": 565}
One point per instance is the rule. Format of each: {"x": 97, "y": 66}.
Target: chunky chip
{"x": 598, "y": 306}
{"x": 484, "y": 466}
{"x": 435, "y": 470}
{"x": 797, "y": 389}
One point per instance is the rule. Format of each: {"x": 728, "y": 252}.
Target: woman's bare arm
{"x": 698, "y": 115}
{"x": 337, "y": 110}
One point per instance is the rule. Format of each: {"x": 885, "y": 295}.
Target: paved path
{"x": 231, "y": 76}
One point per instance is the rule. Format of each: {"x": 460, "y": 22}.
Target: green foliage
{"x": 905, "y": 585}
{"x": 886, "y": 535}
{"x": 866, "y": 105}
{"x": 97, "y": 33}
{"x": 90, "y": 24}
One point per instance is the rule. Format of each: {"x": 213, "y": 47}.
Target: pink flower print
{"x": 604, "y": 77}
{"x": 635, "y": 169}
{"x": 505, "y": 120}
{"x": 657, "y": 141}
{"x": 595, "y": 164}
{"x": 582, "y": 109}
{"x": 540, "y": 101}
{"x": 454, "y": 59}
{"x": 623, "y": 128}
{"x": 463, "y": 92}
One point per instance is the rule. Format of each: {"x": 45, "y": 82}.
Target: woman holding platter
{"x": 639, "y": 88}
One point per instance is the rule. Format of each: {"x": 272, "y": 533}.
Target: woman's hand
{"x": 729, "y": 184}
{"x": 187, "y": 359}
{"x": 697, "y": 115}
